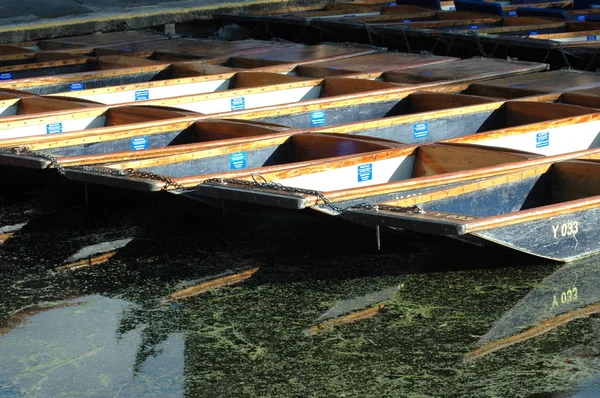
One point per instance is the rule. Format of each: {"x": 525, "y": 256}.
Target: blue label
{"x": 237, "y": 161}
{"x": 421, "y": 130}
{"x": 318, "y": 118}
{"x": 451, "y": 8}
{"x": 237, "y": 104}
{"x": 54, "y": 128}
{"x": 5, "y": 76}
{"x": 392, "y": 4}
{"x": 542, "y": 139}
{"x": 581, "y": 17}
{"x": 76, "y": 86}
{"x": 426, "y": 73}
{"x": 591, "y": 38}
{"x": 407, "y": 20}
{"x": 516, "y": 86}
{"x": 533, "y": 33}
{"x": 474, "y": 27}
{"x": 139, "y": 143}
{"x": 365, "y": 172}
{"x": 142, "y": 95}
{"x": 512, "y": 13}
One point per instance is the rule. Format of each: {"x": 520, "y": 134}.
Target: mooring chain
{"x": 129, "y": 172}
{"x": 17, "y": 150}
{"x": 259, "y": 181}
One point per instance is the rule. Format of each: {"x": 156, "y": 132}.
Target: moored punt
{"x": 285, "y": 155}
{"x": 571, "y": 292}
{"x": 466, "y": 70}
{"x": 534, "y": 127}
{"x": 132, "y": 143}
{"x": 178, "y": 80}
{"x": 78, "y": 74}
{"x": 546, "y": 82}
{"x": 548, "y": 211}
{"x": 380, "y": 62}
{"x": 75, "y": 116}
{"x": 165, "y": 137}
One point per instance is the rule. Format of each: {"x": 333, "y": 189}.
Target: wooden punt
{"x": 285, "y": 154}
{"x": 380, "y": 62}
{"x": 41, "y": 116}
{"x": 84, "y": 72}
{"x": 546, "y": 211}
{"x": 569, "y": 293}
{"x": 466, "y": 70}
{"x": 134, "y": 142}
{"x": 198, "y": 48}
{"x": 99, "y": 40}
{"x": 443, "y": 112}
{"x": 14, "y": 106}
{"x": 546, "y": 82}
{"x": 534, "y": 127}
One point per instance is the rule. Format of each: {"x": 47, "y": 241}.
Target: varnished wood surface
{"x": 379, "y": 62}
{"x": 547, "y": 82}
{"x": 99, "y": 40}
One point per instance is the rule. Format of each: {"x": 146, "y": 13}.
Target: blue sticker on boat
{"x": 533, "y": 33}
{"x": 142, "y": 95}
{"x": 451, "y": 8}
{"x": 512, "y": 13}
{"x": 591, "y": 38}
{"x": 237, "y": 104}
{"x": 139, "y": 143}
{"x": 426, "y": 73}
{"x": 474, "y": 27}
{"x": 517, "y": 86}
{"x": 5, "y": 76}
{"x": 76, "y": 86}
{"x": 392, "y": 4}
{"x": 365, "y": 172}
{"x": 318, "y": 118}
{"x": 54, "y": 128}
{"x": 407, "y": 20}
{"x": 542, "y": 139}
{"x": 581, "y": 17}
{"x": 237, "y": 161}
{"x": 421, "y": 130}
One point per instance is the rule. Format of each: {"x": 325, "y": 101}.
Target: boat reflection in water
{"x": 78, "y": 343}
{"x": 570, "y": 293}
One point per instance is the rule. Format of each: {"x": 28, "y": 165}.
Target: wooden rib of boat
{"x": 110, "y": 144}
{"x": 546, "y": 211}
{"x": 570, "y": 293}
{"x": 285, "y": 154}
{"x": 534, "y": 127}
{"x": 35, "y": 118}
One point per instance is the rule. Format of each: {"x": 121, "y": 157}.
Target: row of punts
{"x": 500, "y": 151}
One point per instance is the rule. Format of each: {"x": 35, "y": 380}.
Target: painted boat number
{"x": 566, "y": 297}
{"x": 565, "y": 229}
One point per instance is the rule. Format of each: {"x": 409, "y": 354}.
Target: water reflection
{"x": 73, "y": 349}
{"x": 196, "y": 305}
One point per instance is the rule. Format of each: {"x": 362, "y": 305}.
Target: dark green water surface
{"x": 454, "y": 320}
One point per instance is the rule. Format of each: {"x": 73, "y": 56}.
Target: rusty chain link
{"x": 259, "y": 181}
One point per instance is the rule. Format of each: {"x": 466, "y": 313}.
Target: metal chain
{"x": 25, "y": 150}
{"x": 169, "y": 182}
{"x": 259, "y": 181}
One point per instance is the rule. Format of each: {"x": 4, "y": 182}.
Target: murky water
{"x": 184, "y": 302}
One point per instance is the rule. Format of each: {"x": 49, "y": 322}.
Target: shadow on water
{"x": 195, "y": 304}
